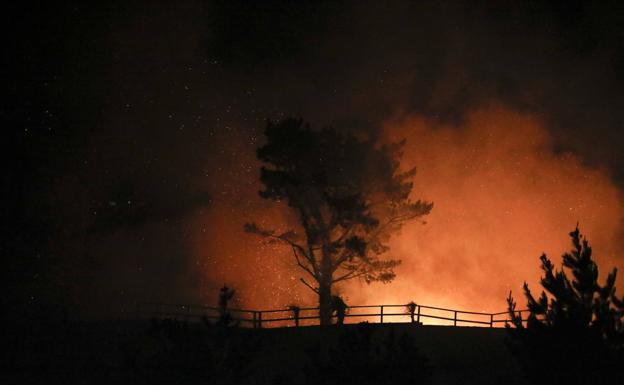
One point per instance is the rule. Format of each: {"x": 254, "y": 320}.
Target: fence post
{"x": 418, "y": 316}
{"x": 253, "y": 319}
{"x": 381, "y": 314}
{"x": 491, "y": 320}
{"x": 259, "y": 320}
{"x": 455, "y": 318}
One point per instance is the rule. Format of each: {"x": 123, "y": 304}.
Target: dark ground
{"x": 134, "y": 352}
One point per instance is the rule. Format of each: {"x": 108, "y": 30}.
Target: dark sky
{"x": 125, "y": 122}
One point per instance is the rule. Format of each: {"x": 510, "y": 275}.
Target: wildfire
{"x": 502, "y": 196}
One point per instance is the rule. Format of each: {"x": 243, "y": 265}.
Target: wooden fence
{"x": 306, "y": 316}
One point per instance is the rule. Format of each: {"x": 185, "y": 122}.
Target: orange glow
{"x": 502, "y": 197}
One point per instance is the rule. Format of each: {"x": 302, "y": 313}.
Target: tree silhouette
{"x": 574, "y": 333}
{"x": 225, "y": 295}
{"x": 349, "y": 196}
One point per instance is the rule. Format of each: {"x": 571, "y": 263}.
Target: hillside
{"x": 128, "y": 352}
{"x": 458, "y": 355}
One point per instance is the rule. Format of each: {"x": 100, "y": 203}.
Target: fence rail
{"x": 307, "y": 315}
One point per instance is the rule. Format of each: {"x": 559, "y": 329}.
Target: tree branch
{"x": 307, "y": 269}
{"x": 309, "y": 258}
{"x": 310, "y": 286}
{"x": 344, "y": 235}
{"x": 349, "y": 275}
{"x": 345, "y": 255}
{"x": 397, "y": 219}
{"x": 253, "y": 228}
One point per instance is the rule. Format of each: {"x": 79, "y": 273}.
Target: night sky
{"x": 130, "y": 162}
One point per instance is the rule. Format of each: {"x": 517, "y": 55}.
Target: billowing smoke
{"x": 136, "y": 127}
{"x": 502, "y": 197}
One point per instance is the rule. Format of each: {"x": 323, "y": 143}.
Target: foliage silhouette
{"x": 225, "y": 295}
{"x": 360, "y": 358}
{"x": 411, "y": 310}
{"x": 187, "y": 354}
{"x": 349, "y": 196}
{"x": 338, "y": 309}
{"x": 574, "y": 331}
{"x": 295, "y": 310}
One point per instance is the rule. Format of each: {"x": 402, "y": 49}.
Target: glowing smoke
{"x": 502, "y": 197}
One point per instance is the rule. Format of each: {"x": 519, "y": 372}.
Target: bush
{"x": 360, "y": 359}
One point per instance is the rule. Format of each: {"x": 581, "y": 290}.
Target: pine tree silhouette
{"x": 349, "y": 196}
{"x": 574, "y": 331}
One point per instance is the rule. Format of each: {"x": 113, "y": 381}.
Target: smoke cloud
{"x": 137, "y": 125}
{"x": 502, "y": 195}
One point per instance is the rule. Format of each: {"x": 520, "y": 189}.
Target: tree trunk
{"x": 325, "y": 284}
{"x": 325, "y": 301}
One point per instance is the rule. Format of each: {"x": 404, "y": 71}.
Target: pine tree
{"x": 349, "y": 196}
{"x": 574, "y": 331}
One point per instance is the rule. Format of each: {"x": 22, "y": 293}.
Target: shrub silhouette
{"x": 295, "y": 310}
{"x": 411, "y": 310}
{"x": 574, "y": 331}
{"x": 338, "y": 309}
{"x": 193, "y": 354}
{"x": 225, "y": 318}
{"x": 359, "y": 358}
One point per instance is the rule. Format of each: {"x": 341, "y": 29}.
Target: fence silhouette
{"x": 306, "y": 316}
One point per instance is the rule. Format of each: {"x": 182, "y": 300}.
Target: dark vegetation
{"x": 225, "y": 317}
{"x": 169, "y": 351}
{"x": 411, "y": 310}
{"x": 349, "y": 195}
{"x": 574, "y": 333}
{"x": 214, "y": 354}
{"x": 214, "y": 351}
{"x": 166, "y": 351}
{"x": 338, "y": 309}
{"x": 227, "y": 355}
{"x": 295, "y": 310}
{"x": 358, "y": 359}
{"x": 163, "y": 351}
